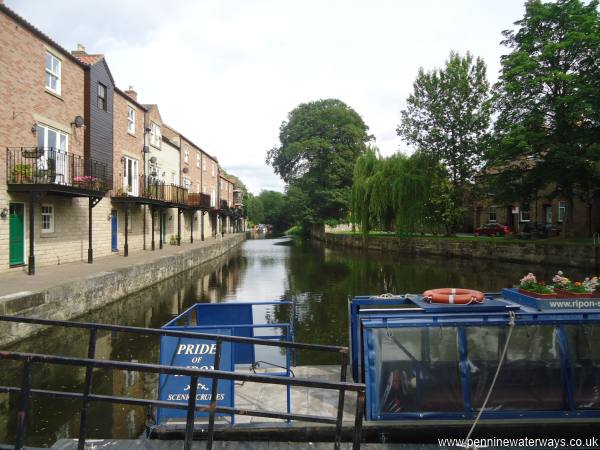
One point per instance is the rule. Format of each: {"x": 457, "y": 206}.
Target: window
{"x": 198, "y": 157}
{"x": 525, "y": 216}
{"x": 101, "y": 97}
{"x": 203, "y": 162}
{"x": 562, "y": 211}
{"x": 213, "y": 198}
{"x": 492, "y": 214}
{"x": 47, "y": 219}
{"x": 130, "y": 120}
{"x": 187, "y": 183}
{"x": 53, "y": 65}
{"x": 155, "y": 135}
{"x": 54, "y": 162}
{"x": 186, "y": 154}
{"x": 213, "y": 169}
{"x": 130, "y": 176}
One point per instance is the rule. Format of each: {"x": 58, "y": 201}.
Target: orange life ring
{"x": 453, "y": 296}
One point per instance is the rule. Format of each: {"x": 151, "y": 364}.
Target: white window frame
{"x": 134, "y": 176}
{"x": 53, "y": 71}
{"x": 61, "y": 161}
{"x": 213, "y": 198}
{"x": 130, "y": 120}
{"x": 155, "y": 135}
{"x": 523, "y": 210}
{"x": 50, "y": 216}
{"x": 186, "y": 154}
{"x": 198, "y": 158}
{"x": 562, "y": 211}
{"x": 492, "y": 211}
{"x": 187, "y": 183}
{"x": 213, "y": 169}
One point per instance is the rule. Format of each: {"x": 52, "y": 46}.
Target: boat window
{"x": 530, "y": 378}
{"x": 417, "y": 370}
{"x": 584, "y": 347}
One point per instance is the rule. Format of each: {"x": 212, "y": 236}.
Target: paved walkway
{"x": 17, "y": 281}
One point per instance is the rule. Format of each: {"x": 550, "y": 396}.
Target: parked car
{"x": 492, "y": 229}
{"x": 534, "y": 230}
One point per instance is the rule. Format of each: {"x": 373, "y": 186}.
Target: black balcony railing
{"x": 150, "y": 188}
{"x": 198, "y": 200}
{"x": 237, "y": 198}
{"x": 51, "y": 166}
{"x": 31, "y": 362}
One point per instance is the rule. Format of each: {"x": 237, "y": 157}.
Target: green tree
{"x": 255, "y": 210}
{"x": 548, "y": 103}
{"x": 319, "y": 144}
{"x": 404, "y": 194}
{"x": 448, "y": 116}
{"x": 273, "y": 203}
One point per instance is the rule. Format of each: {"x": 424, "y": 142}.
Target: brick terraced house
{"x": 86, "y": 170}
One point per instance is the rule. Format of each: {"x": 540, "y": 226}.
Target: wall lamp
{"x": 4, "y": 213}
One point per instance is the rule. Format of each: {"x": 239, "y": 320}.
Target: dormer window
{"x": 53, "y": 73}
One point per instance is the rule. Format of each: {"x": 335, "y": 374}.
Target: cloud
{"x": 227, "y": 73}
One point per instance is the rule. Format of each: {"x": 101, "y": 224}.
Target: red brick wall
{"x": 23, "y": 93}
{"x": 125, "y": 143}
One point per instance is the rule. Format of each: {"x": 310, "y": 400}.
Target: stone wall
{"x": 523, "y": 252}
{"x": 71, "y": 300}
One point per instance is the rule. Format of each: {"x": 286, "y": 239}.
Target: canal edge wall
{"x": 74, "y": 299}
{"x": 563, "y": 255}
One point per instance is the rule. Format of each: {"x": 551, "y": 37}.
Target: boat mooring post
{"x": 358, "y": 419}
{"x": 87, "y": 388}
{"x": 341, "y": 398}
{"x": 24, "y": 403}
{"x": 191, "y": 413}
{"x": 213, "y": 397}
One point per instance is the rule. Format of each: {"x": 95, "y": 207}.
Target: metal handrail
{"x": 53, "y": 166}
{"x": 175, "y": 333}
{"x": 28, "y": 359}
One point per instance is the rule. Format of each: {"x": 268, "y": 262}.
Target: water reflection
{"x": 318, "y": 280}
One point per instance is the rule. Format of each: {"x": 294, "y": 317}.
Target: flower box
{"x": 537, "y": 295}
{"x": 566, "y": 294}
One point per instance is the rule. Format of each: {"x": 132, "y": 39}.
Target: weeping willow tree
{"x": 397, "y": 193}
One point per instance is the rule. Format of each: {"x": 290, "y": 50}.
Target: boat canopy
{"x": 437, "y": 361}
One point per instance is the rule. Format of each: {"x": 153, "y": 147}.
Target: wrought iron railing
{"x": 198, "y": 200}
{"x": 29, "y": 361}
{"x": 52, "y": 166}
{"x": 151, "y": 188}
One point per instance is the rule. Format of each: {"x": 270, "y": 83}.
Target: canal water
{"x": 319, "y": 280}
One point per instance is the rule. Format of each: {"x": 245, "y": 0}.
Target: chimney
{"x": 80, "y": 50}
{"x": 131, "y": 93}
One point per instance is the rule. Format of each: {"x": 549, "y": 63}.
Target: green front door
{"x": 16, "y": 234}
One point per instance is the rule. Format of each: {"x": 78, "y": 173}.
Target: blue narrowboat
{"x": 509, "y": 356}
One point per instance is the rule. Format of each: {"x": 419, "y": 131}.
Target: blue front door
{"x": 114, "y": 231}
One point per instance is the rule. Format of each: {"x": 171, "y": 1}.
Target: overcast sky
{"x": 226, "y": 73}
